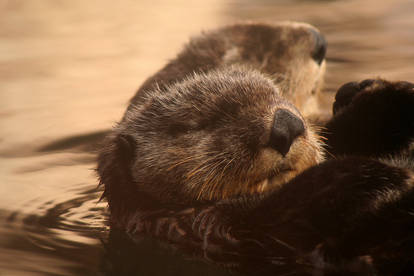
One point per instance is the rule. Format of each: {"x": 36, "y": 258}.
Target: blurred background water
{"x": 67, "y": 71}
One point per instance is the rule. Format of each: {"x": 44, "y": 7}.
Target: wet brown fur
{"x": 190, "y": 161}
{"x": 200, "y": 126}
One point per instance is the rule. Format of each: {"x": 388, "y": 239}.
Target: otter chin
{"x": 304, "y": 152}
{"x": 282, "y": 175}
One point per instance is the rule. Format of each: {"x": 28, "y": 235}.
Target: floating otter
{"x": 216, "y": 154}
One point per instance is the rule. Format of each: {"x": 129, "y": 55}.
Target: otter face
{"x": 217, "y": 135}
{"x": 291, "y": 53}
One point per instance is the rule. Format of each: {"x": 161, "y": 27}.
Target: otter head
{"x": 291, "y": 53}
{"x": 213, "y": 136}
{"x": 219, "y": 121}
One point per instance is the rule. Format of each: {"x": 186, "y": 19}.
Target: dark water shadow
{"x": 145, "y": 256}
{"x": 88, "y": 142}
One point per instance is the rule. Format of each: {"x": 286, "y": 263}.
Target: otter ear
{"x": 125, "y": 146}
{"x": 114, "y": 163}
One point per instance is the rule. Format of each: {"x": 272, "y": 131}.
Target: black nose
{"x": 319, "y": 49}
{"x": 286, "y": 128}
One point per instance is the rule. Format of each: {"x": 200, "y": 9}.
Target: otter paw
{"x": 348, "y": 91}
{"x": 372, "y": 118}
{"x": 209, "y": 226}
{"x": 169, "y": 228}
{"x": 163, "y": 224}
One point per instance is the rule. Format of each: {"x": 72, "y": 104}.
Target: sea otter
{"x": 216, "y": 154}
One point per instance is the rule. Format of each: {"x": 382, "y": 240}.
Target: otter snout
{"x": 286, "y": 128}
{"x": 319, "y": 50}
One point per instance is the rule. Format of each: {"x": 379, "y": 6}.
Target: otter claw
{"x": 160, "y": 225}
{"x": 207, "y": 227}
{"x": 203, "y": 222}
{"x": 173, "y": 232}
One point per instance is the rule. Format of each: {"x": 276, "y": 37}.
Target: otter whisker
{"x": 217, "y": 177}
{"x": 314, "y": 147}
{"x": 319, "y": 136}
{"x": 206, "y": 187}
{"x": 284, "y": 244}
{"x": 215, "y": 186}
{"x": 318, "y": 128}
{"x": 200, "y": 167}
{"x": 329, "y": 153}
{"x": 190, "y": 158}
{"x": 205, "y": 166}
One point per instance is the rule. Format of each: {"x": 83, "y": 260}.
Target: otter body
{"x": 216, "y": 154}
